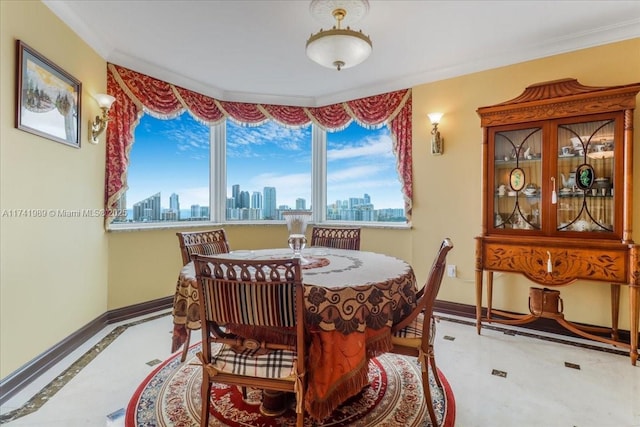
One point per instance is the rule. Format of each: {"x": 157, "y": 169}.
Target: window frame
{"x": 218, "y": 188}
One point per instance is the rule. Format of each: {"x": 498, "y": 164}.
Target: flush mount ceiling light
{"x": 339, "y": 47}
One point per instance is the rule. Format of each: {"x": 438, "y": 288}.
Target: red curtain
{"x": 137, "y": 93}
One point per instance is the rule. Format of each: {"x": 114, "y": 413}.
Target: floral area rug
{"x": 170, "y": 397}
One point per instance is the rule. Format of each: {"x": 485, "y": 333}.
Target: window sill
{"x": 130, "y": 227}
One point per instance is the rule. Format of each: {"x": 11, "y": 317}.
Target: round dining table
{"x": 352, "y": 299}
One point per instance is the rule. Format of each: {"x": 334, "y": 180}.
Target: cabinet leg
{"x": 634, "y": 300}
{"x": 478, "y": 300}
{"x": 489, "y": 294}
{"x": 615, "y": 310}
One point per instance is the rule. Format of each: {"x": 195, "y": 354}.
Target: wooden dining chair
{"x": 414, "y": 335}
{"x": 251, "y": 295}
{"x": 336, "y": 237}
{"x": 209, "y": 242}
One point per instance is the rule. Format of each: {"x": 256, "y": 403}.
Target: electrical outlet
{"x": 451, "y": 270}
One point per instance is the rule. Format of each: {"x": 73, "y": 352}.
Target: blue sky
{"x": 172, "y": 156}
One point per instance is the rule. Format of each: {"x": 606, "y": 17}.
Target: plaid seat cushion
{"x": 411, "y": 335}
{"x": 273, "y": 364}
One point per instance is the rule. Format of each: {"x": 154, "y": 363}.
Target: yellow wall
{"x": 59, "y": 274}
{"x": 53, "y": 271}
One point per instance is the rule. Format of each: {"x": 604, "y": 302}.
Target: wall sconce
{"x": 437, "y": 142}
{"x": 100, "y": 123}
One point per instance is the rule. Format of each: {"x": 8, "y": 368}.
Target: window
{"x": 362, "y": 180}
{"x": 136, "y": 92}
{"x": 268, "y": 171}
{"x": 168, "y": 175}
{"x": 259, "y": 171}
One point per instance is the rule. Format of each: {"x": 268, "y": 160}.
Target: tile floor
{"x": 505, "y": 377}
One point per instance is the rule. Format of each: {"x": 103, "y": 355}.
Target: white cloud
{"x": 369, "y": 147}
{"x": 353, "y": 173}
{"x": 268, "y": 133}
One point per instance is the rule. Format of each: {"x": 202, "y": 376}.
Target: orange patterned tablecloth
{"x": 351, "y": 303}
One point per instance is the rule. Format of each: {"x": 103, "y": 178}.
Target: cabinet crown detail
{"x": 559, "y": 98}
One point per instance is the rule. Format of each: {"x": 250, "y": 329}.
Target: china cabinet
{"x": 557, "y": 199}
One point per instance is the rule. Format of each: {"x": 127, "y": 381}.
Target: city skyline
{"x": 151, "y": 209}
{"x": 172, "y": 156}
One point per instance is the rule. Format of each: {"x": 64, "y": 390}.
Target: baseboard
{"x": 541, "y": 325}
{"x": 142, "y": 309}
{"x": 17, "y": 380}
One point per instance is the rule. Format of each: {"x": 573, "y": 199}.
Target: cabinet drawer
{"x": 566, "y": 264}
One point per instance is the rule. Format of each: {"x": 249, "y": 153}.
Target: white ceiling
{"x": 254, "y": 50}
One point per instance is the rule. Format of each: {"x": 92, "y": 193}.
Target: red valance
{"x": 137, "y": 93}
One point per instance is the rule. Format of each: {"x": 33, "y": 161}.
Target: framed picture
{"x": 517, "y": 179}
{"x": 48, "y": 98}
{"x": 585, "y": 176}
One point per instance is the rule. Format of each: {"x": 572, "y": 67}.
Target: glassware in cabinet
{"x": 517, "y": 178}
{"x": 586, "y": 170}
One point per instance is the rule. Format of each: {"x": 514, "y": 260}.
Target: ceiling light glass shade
{"x": 339, "y": 48}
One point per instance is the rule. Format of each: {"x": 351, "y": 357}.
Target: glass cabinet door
{"x": 585, "y": 175}
{"x": 517, "y": 179}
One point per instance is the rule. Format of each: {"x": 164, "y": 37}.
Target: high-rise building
{"x": 195, "y": 212}
{"x": 269, "y": 199}
{"x": 147, "y": 209}
{"x": 235, "y": 193}
{"x": 301, "y": 204}
{"x": 174, "y": 205}
{"x": 245, "y": 200}
{"x": 121, "y": 206}
{"x": 169, "y": 215}
{"x": 254, "y": 214}
{"x": 204, "y": 212}
{"x": 256, "y": 200}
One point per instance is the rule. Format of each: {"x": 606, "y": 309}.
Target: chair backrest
{"x": 264, "y": 298}
{"x": 252, "y": 295}
{"x": 434, "y": 280}
{"x": 336, "y": 237}
{"x": 210, "y": 242}
{"x": 427, "y": 295}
